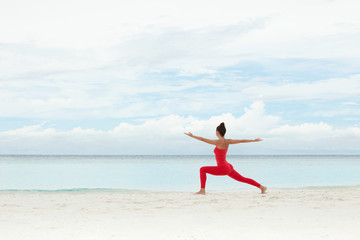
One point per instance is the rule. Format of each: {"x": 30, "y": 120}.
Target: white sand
{"x": 279, "y": 214}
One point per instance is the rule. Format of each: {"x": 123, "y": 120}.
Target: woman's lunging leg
{"x": 211, "y": 170}
{"x": 235, "y": 175}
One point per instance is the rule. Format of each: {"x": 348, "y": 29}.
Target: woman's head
{"x": 221, "y": 129}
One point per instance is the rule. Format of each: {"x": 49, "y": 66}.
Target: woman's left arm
{"x": 209, "y": 141}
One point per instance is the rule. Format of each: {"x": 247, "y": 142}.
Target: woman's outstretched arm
{"x": 209, "y": 141}
{"x": 234, "y": 141}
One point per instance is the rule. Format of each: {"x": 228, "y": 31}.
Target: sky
{"x": 130, "y": 77}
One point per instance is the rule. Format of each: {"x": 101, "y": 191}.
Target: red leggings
{"x": 226, "y": 169}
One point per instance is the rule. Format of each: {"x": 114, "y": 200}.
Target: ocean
{"x": 172, "y": 173}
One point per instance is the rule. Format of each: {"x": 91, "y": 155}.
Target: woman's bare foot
{"x": 202, "y": 191}
{"x": 263, "y": 189}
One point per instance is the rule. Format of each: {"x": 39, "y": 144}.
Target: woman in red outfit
{"x": 223, "y": 167}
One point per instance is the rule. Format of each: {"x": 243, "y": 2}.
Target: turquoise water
{"x": 172, "y": 173}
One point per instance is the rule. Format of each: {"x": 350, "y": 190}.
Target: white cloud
{"x": 61, "y": 96}
{"x": 316, "y": 138}
{"x": 165, "y": 136}
{"x": 189, "y": 36}
{"x": 87, "y": 24}
{"x": 338, "y": 112}
{"x": 350, "y": 103}
{"x": 324, "y": 89}
{"x": 305, "y": 130}
{"x": 110, "y": 59}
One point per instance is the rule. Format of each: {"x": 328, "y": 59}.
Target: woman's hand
{"x": 189, "y": 134}
{"x": 257, "y": 140}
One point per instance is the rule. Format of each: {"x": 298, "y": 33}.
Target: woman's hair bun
{"x": 221, "y": 129}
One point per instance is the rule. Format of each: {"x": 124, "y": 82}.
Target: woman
{"x": 223, "y": 167}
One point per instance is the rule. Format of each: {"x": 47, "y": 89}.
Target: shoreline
{"x": 125, "y": 190}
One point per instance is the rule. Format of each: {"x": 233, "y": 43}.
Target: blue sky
{"x": 129, "y": 77}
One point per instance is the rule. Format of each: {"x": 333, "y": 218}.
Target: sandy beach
{"x": 321, "y": 213}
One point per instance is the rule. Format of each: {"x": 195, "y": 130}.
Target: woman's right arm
{"x": 235, "y": 141}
